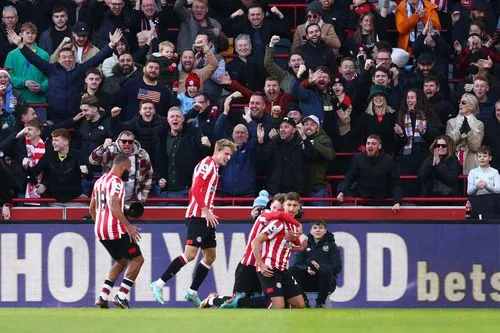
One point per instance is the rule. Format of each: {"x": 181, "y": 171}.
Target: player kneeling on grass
{"x": 115, "y": 232}
{"x": 247, "y": 288}
{"x": 272, "y": 253}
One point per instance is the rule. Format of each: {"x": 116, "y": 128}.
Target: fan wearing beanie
{"x": 186, "y": 99}
{"x": 342, "y": 105}
{"x": 259, "y": 203}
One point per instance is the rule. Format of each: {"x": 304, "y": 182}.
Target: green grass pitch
{"x": 239, "y": 321}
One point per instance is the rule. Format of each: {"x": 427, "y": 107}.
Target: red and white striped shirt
{"x": 107, "y": 226}
{"x": 276, "y": 250}
{"x": 35, "y": 153}
{"x": 202, "y": 192}
{"x": 266, "y": 217}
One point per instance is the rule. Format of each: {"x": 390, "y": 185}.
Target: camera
{"x": 473, "y": 69}
{"x": 134, "y": 209}
{"x": 361, "y": 60}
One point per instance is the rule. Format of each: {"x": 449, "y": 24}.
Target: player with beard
{"x": 200, "y": 223}
{"x": 247, "y": 289}
{"x": 115, "y": 232}
{"x": 376, "y": 175}
{"x": 147, "y": 87}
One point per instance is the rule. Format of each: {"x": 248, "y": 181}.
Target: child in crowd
{"x": 168, "y": 68}
{"x": 186, "y": 99}
{"x": 484, "y": 179}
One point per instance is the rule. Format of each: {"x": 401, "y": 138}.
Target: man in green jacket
{"x": 322, "y": 144}
{"x": 25, "y": 77}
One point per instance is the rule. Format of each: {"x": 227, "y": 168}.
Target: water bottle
{"x": 468, "y": 210}
{"x": 12, "y": 104}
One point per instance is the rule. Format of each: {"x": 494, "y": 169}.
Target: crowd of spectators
{"x": 411, "y": 86}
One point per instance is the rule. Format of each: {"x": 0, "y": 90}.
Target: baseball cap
{"x": 81, "y": 28}
{"x": 313, "y": 118}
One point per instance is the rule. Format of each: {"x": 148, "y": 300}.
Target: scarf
{"x": 6, "y": 99}
{"x": 410, "y": 133}
{"x": 36, "y": 152}
{"x": 420, "y": 25}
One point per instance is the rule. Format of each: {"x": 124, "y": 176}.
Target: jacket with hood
{"x": 318, "y": 165}
{"x": 324, "y": 252}
{"x": 143, "y": 167}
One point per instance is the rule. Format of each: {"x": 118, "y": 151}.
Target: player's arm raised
{"x": 116, "y": 210}
{"x": 256, "y": 244}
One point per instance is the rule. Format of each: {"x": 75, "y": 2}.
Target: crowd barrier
{"x": 417, "y": 264}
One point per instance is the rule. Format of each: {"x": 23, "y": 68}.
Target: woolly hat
{"x": 339, "y": 80}
{"x": 192, "y": 80}
{"x": 400, "y": 57}
{"x": 261, "y": 200}
{"x": 315, "y": 7}
{"x": 425, "y": 59}
{"x": 378, "y": 89}
{"x": 5, "y": 71}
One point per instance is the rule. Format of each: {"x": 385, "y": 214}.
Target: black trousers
{"x": 323, "y": 282}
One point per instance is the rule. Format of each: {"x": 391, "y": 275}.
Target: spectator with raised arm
{"x": 285, "y": 77}
{"x": 287, "y": 155}
{"x": 439, "y": 171}
{"x": 188, "y": 64}
{"x": 192, "y": 20}
{"x": 146, "y": 126}
{"x": 66, "y": 76}
{"x": 238, "y": 176}
{"x": 83, "y": 48}
{"x": 138, "y": 184}
{"x": 467, "y": 132}
{"x": 123, "y": 71}
{"x": 28, "y": 79}
{"x": 411, "y": 17}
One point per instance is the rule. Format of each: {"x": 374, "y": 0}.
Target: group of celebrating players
{"x": 262, "y": 279}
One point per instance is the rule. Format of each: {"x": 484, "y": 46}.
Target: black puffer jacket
{"x": 324, "y": 252}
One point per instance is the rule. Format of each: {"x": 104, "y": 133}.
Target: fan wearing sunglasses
{"x": 138, "y": 181}
{"x": 439, "y": 172}
{"x": 328, "y": 34}
{"x": 467, "y": 132}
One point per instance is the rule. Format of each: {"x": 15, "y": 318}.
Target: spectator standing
{"x": 244, "y": 68}
{"x": 492, "y": 137}
{"x": 147, "y": 87}
{"x": 9, "y": 22}
{"x": 51, "y": 38}
{"x": 375, "y": 173}
{"x": 316, "y": 52}
{"x": 28, "y": 79}
{"x": 65, "y": 77}
{"x": 107, "y": 17}
{"x": 83, "y": 48}
{"x": 123, "y": 71}
{"x": 138, "y": 185}
{"x": 467, "y": 132}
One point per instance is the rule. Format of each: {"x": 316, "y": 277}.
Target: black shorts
{"x": 246, "y": 280}
{"x": 122, "y": 248}
{"x": 281, "y": 284}
{"x": 198, "y": 234}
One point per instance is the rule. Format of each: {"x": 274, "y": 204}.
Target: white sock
{"x": 192, "y": 292}
{"x": 160, "y": 283}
